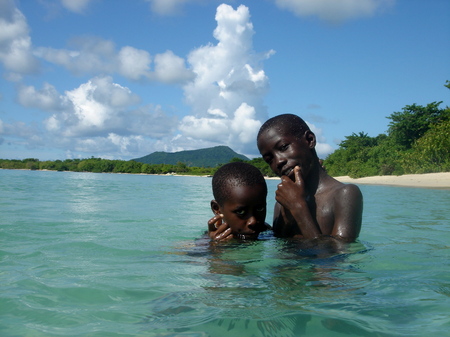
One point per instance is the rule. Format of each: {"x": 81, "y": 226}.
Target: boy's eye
{"x": 261, "y": 209}
{"x": 284, "y": 147}
{"x": 240, "y": 212}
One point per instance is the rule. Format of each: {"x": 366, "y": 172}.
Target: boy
{"x": 239, "y": 203}
{"x": 310, "y": 203}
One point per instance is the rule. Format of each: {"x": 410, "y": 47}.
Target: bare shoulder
{"x": 342, "y": 192}
{"x": 348, "y": 207}
{"x": 341, "y": 197}
{"x": 348, "y": 191}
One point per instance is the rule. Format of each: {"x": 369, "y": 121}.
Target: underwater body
{"x": 89, "y": 254}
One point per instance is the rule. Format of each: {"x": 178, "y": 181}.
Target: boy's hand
{"x": 218, "y": 230}
{"x": 292, "y": 196}
{"x": 289, "y": 192}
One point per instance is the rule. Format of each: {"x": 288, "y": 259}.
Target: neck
{"x": 316, "y": 178}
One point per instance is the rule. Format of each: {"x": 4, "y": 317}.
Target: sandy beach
{"x": 428, "y": 180}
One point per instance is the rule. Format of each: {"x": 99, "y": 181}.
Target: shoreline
{"x": 440, "y": 180}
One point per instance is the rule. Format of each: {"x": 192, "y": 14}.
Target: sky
{"x": 120, "y": 79}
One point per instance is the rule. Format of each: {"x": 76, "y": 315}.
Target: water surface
{"x": 85, "y": 254}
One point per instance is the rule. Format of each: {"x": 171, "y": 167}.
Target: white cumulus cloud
{"x": 97, "y": 107}
{"x": 170, "y": 68}
{"x": 244, "y": 124}
{"x": 133, "y": 63}
{"x": 101, "y": 116}
{"x": 46, "y": 99}
{"x": 15, "y": 42}
{"x": 89, "y": 55}
{"x": 94, "y": 56}
{"x": 227, "y": 93}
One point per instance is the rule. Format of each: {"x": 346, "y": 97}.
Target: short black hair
{"x": 295, "y": 125}
{"x": 235, "y": 174}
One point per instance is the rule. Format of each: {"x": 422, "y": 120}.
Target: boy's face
{"x": 283, "y": 151}
{"x": 244, "y": 211}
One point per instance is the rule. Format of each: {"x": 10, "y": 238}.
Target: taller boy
{"x": 310, "y": 203}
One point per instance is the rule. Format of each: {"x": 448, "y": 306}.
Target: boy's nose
{"x": 279, "y": 163}
{"x": 251, "y": 221}
{"x": 256, "y": 226}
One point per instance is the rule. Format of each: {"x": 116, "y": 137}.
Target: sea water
{"x": 85, "y": 254}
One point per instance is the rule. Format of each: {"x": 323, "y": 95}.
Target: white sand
{"x": 428, "y": 180}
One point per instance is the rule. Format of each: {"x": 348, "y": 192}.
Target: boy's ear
{"x": 215, "y": 207}
{"x": 311, "y": 139}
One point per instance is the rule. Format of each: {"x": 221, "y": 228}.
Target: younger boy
{"x": 239, "y": 203}
{"x": 310, "y": 203}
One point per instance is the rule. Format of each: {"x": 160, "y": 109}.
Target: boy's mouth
{"x": 244, "y": 237}
{"x": 288, "y": 172}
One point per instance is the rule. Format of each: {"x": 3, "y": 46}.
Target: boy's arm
{"x": 348, "y": 208}
{"x": 292, "y": 199}
{"x": 283, "y": 223}
{"x": 346, "y": 205}
{"x": 302, "y": 218}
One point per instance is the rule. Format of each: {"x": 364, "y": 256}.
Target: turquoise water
{"x": 85, "y": 254}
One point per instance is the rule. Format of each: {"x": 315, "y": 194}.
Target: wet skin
{"x": 242, "y": 216}
{"x": 310, "y": 203}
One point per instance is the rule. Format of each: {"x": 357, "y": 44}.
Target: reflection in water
{"x": 82, "y": 194}
{"x": 271, "y": 287}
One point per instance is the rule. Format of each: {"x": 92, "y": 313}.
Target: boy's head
{"x": 240, "y": 193}
{"x": 286, "y": 141}
{"x": 286, "y": 123}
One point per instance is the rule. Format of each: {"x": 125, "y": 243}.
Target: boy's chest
{"x": 325, "y": 217}
{"x": 321, "y": 211}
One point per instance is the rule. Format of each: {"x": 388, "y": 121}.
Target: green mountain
{"x": 209, "y": 157}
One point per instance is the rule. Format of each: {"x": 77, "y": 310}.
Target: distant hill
{"x": 209, "y": 157}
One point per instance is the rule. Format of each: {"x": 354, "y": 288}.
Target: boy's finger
{"x": 214, "y": 223}
{"x": 214, "y": 218}
{"x": 225, "y": 235}
{"x": 215, "y": 233}
{"x": 298, "y": 174}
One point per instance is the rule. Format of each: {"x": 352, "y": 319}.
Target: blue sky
{"x": 121, "y": 79}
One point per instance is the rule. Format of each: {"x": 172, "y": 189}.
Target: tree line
{"x": 99, "y": 165}
{"x": 417, "y": 141}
